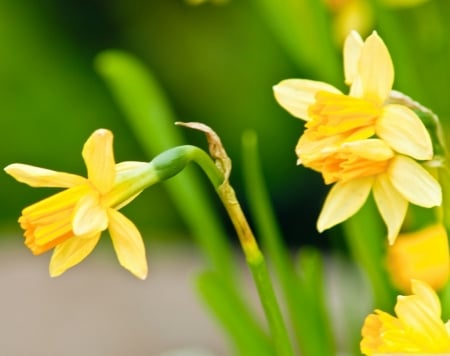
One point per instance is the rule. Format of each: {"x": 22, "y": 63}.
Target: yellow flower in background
{"x": 417, "y": 327}
{"x": 420, "y": 255}
{"x": 357, "y": 15}
{"x": 360, "y": 167}
{"x": 72, "y": 220}
{"x": 348, "y": 15}
{"x": 359, "y": 141}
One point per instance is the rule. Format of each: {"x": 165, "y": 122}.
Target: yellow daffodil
{"x": 422, "y": 255}
{"x": 417, "y": 328}
{"x": 72, "y": 220}
{"x": 361, "y": 142}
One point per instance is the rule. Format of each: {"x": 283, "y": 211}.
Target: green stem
{"x": 173, "y": 161}
{"x": 255, "y": 261}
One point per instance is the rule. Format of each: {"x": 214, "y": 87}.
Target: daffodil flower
{"x": 72, "y": 220}
{"x": 416, "y": 329}
{"x": 360, "y": 167}
{"x": 360, "y": 141}
{"x": 333, "y": 118}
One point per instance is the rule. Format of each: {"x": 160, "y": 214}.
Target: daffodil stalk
{"x": 253, "y": 255}
{"x": 171, "y": 162}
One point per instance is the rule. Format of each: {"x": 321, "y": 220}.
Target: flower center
{"x": 338, "y": 114}
{"x": 344, "y": 165}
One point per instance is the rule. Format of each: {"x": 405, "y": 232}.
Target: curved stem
{"x": 173, "y": 161}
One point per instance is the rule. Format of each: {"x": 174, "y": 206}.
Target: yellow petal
{"x": 70, "y": 253}
{"x": 402, "y": 129}
{"x": 372, "y": 149}
{"x": 99, "y": 158}
{"x": 391, "y": 205}
{"x": 422, "y": 321}
{"x": 427, "y": 295}
{"x": 352, "y": 53}
{"x": 41, "y": 177}
{"x": 128, "y": 244}
{"x": 376, "y": 69}
{"x": 89, "y": 216}
{"x": 128, "y": 166}
{"x": 343, "y": 200}
{"x": 296, "y": 95}
{"x": 414, "y": 182}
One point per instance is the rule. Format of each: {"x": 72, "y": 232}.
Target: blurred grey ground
{"x": 99, "y": 309}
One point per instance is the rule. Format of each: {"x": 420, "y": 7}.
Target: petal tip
{"x": 55, "y": 272}
{"x": 391, "y": 239}
{"x": 141, "y": 275}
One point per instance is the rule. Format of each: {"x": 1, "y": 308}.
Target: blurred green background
{"x": 216, "y": 63}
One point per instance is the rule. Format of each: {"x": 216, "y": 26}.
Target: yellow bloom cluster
{"x": 72, "y": 220}
{"x": 417, "y": 328}
{"x": 360, "y": 141}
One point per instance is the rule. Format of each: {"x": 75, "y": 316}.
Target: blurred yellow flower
{"x": 71, "y": 221}
{"x": 420, "y": 255}
{"x": 417, "y": 328}
{"x": 357, "y": 15}
{"x": 348, "y": 15}
{"x": 359, "y": 141}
